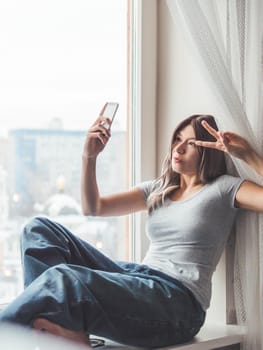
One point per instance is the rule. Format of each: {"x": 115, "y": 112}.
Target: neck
{"x": 188, "y": 186}
{"x": 188, "y": 182}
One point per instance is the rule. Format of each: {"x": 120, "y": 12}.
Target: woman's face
{"x": 185, "y": 156}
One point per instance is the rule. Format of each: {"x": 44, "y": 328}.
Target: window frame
{"x": 142, "y": 119}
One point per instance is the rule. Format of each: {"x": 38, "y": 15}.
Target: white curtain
{"x": 226, "y": 38}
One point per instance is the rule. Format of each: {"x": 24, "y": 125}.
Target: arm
{"x": 91, "y": 201}
{"x": 115, "y": 204}
{"x": 249, "y": 196}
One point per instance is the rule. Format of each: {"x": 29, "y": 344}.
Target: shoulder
{"x": 227, "y": 179}
{"x": 228, "y": 185}
{"x": 147, "y": 187}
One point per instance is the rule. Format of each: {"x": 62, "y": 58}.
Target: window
{"x": 60, "y": 61}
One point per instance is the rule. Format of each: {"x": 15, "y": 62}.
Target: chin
{"x": 177, "y": 169}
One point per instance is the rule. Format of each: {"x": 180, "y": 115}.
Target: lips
{"x": 177, "y": 160}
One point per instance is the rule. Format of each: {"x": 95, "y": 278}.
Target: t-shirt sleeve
{"x": 146, "y": 187}
{"x": 228, "y": 186}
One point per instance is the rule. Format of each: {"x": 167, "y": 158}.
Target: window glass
{"x": 60, "y": 61}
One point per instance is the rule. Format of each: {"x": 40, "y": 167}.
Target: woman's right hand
{"x": 97, "y": 137}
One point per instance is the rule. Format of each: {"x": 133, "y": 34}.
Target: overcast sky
{"x": 61, "y": 59}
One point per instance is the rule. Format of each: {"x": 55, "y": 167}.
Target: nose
{"x": 180, "y": 148}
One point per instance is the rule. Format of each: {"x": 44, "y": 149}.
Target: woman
{"x": 73, "y": 290}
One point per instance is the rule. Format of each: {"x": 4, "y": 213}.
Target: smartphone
{"x": 110, "y": 111}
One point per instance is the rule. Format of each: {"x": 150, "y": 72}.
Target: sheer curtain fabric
{"x": 225, "y": 38}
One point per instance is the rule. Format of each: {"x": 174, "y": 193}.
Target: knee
{"x": 34, "y": 228}
{"x": 33, "y": 223}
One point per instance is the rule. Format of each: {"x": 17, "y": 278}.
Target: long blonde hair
{"x": 212, "y": 162}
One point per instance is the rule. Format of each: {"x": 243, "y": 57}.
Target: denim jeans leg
{"x": 46, "y": 243}
{"x": 138, "y": 310}
{"x": 72, "y": 284}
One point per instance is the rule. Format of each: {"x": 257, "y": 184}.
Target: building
{"x": 43, "y": 160}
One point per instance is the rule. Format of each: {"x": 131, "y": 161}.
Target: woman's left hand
{"x": 228, "y": 142}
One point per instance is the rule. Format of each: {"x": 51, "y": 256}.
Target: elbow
{"x": 90, "y": 211}
{"x": 87, "y": 212}
{"x": 91, "y": 207}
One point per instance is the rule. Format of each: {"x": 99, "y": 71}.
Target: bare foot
{"x": 46, "y": 326}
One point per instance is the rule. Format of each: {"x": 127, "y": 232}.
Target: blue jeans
{"x": 69, "y": 282}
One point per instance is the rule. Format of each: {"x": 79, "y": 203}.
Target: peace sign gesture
{"x": 228, "y": 142}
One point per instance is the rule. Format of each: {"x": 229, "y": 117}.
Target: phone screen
{"x": 110, "y": 110}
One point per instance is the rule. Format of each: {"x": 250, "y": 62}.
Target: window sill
{"x": 213, "y": 337}
{"x": 210, "y": 337}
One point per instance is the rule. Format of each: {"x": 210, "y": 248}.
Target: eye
{"x": 191, "y": 144}
{"x": 177, "y": 139}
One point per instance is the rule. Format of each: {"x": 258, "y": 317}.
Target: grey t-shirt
{"x": 187, "y": 237}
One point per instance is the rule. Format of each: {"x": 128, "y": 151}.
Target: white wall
{"x": 182, "y": 91}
